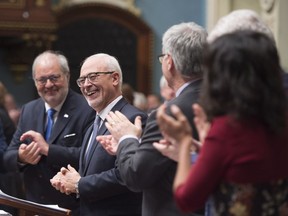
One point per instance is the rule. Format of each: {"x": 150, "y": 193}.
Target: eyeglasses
{"x": 43, "y": 80}
{"x": 92, "y": 77}
{"x": 160, "y": 58}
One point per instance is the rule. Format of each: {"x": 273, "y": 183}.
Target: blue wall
{"x": 158, "y": 14}
{"x": 23, "y": 91}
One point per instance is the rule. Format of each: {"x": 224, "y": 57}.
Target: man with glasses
{"x": 141, "y": 166}
{"x": 97, "y": 184}
{"x": 40, "y": 158}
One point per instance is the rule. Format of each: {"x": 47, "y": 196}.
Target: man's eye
{"x": 93, "y": 77}
{"x": 53, "y": 78}
{"x": 42, "y": 80}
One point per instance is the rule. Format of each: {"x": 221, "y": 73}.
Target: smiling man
{"x": 97, "y": 184}
{"x": 39, "y": 159}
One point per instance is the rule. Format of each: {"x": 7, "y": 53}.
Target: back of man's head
{"x": 242, "y": 19}
{"x": 184, "y": 43}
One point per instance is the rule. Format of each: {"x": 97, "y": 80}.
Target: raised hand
{"x": 29, "y": 154}
{"x": 201, "y": 123}
{"x": 119, "y": 125}
{"x": 168, "y": 149}
{"x": 173, "y": 129}
{"x": 108, "y": 143}
{"x": 38, "y": 138}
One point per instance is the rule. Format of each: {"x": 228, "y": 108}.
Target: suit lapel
{"x": 83, "y": 150}
{"x": 40, "y": 125}
{"x": 102, "y": 130}
{"x": 63, "y": 118}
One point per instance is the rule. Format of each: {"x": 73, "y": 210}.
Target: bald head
{"x": 106, "y": 62}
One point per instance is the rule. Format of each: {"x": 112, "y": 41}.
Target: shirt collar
{"x": 178, "y": 92}
{"x": 108, "y": 108}
{"x": 57, "y": 108}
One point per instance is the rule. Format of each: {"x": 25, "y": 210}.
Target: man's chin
{"x": 52, "y": 100}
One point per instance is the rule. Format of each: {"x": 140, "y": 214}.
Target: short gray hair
{"x": 111, "y": 64}
{"x": 242, "y": 19}
{"x": 63, "y": 62}
{"x": 185, "y": 43}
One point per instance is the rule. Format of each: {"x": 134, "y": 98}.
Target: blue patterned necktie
{"x": 50, "y": 122}
{"x": 96, "y": 125}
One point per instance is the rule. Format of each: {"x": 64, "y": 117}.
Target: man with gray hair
{"x": 141, "y": 166}
{"x": 242, "y": 19}
{"x": 43, "y": 143}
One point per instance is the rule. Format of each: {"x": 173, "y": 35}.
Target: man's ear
{"x": 115, "y": 77}
{"x": 170, "y": 63}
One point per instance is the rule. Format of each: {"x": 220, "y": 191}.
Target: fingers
{"x": 178, "y": 113}
{"x": 23, "y": 146}
{"x": 29, "y": 153}
{"x": 29, "y": 135}
{"x": 120, "y": 117}
{"x": 60, "y": 183}
{"x": 71, "y": 169}
{"x": 55, "y": 181}
{"x": 201, "y": 122}
{"x": 107, "y": 143}
{"x": 138, "y": 122}
{"x": 163, "y": 118}
{"x": 199, "y": 112}
{"x": 114, "y": 118}
{"x": 63, "y": 170}
{"x": 104, "y": 139}
{"x": 160, "y": 147}
{"x": 110, "y": 151}
{"x": 197, "y": 144}
{"x": 160, "y": 113}
{"x": 167, "y": 149}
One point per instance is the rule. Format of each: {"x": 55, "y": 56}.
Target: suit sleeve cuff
{"x": 127, "y": 136}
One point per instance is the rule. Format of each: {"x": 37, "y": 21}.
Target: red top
{"x": 233, "y": 153}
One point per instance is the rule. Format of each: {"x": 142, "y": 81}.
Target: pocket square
{"x": 69, "y": 135}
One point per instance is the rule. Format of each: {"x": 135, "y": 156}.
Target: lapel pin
{"x": 66, "y": 115}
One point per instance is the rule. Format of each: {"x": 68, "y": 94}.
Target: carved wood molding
{"x": 94, "y": 11}
{"x": 31, "y": 26}
{"x": 128, "y": 5}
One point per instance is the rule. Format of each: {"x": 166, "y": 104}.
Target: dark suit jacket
{"x": 73, "y": 120}
{"x": 8, "y": 125}
{"x": 143, "y": 168}
{"x": 3, "y": 146}
{"x": 100, "y": 192}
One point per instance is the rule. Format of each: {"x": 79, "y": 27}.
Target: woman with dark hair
{"x": 242, "y": 124}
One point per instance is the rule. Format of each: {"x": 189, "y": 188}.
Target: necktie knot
{"x": 96, "y": 124}
{"x": 51, "y": 112}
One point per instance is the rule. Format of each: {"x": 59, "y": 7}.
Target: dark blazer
{"x": 73, "y": 120}
{"x": 8, "y": 125}
{"x": 143, "y": 168}
{"x": 100, "y": 192}
{"x": 3, "y": 146}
